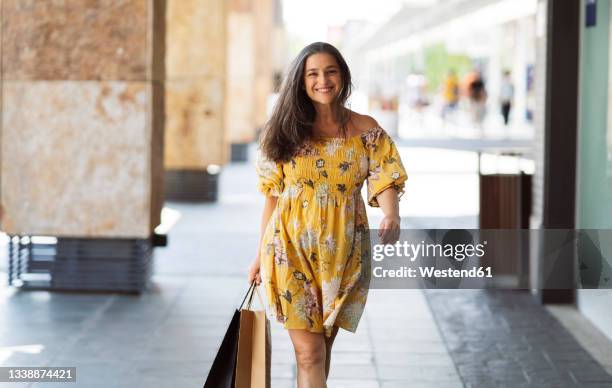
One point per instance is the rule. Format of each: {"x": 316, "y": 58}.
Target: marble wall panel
{"x": 241, "y": 81}
{"x": 195, "y": 38}
{"x": 195, "y": 135}
{"x": 76, "y": 158}
{"x": 245, "y": 6}
{"x": 194, "y": 123}
{"x": 76, "y": 40}
{"x": 263, "y": 59}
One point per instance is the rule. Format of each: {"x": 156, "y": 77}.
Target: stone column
{"x": 264, "y": 48}
{"x": 82, "y": 128}
{"x": 241, "y": 72}
{"x": 279, "y": 46}
{"x": 249, "y": 70}
{"x": 196, "y": 143}
{"x": 556, "y": 124}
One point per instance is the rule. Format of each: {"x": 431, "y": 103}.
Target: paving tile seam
{"x": 169, "y": 308}
{"x": 370, "y": 343}
{"x": 86, "y": 328}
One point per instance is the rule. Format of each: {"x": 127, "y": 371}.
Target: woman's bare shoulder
{"x": 363, "y": 123}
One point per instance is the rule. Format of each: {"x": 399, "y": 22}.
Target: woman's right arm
{"x": 269, "y": 206}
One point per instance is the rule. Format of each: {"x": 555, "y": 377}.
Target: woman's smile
{"x": 325, "y": 90}
{"x": 322, "y": 78}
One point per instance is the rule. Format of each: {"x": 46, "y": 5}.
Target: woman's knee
{"x": 309, "y": 348}
{"x": 310, "y": 356}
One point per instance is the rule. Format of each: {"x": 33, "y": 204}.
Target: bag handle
{"x": 256, "y": 291}
{"x": 247, "y": 294}
{"x": 252, "y": 290}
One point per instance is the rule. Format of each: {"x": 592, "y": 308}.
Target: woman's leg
{"x": 310, "y": 356}
{"x": 328, "y": 348}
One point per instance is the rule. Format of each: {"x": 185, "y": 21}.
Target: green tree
{"x": 438, "y": 61}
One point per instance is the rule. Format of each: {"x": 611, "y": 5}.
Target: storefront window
{"x": 594, "y": 190}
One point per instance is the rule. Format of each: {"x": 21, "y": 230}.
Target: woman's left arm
{"x": 386, "y": 180}
{"x": 389, "y": 229}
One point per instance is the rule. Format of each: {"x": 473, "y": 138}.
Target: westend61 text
{"x": 411, "y": 251}
{"x": 432, "y": 272}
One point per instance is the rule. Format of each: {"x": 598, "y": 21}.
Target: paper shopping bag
{"x": 222, "y": 372}
{"x": 254, "y": 348}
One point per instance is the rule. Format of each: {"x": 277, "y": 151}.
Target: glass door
{"x": 594, "y": 180}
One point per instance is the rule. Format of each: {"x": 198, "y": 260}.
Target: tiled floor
{"x": 504, "y": 338}
{"x": 589, "y": 336}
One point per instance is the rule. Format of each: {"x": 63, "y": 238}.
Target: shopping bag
{"x": 254, "y": 347}
{"x": 223, "y": 370}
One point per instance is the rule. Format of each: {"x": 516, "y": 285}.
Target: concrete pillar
{"x": 241, "y": 71}
{"x": 195, "y": 141}
{"x": 81, "y": 115}
{"x": 557, "y": 123}
{"x": 249, "y": 70}
{"x": 279, "y": 60}
{"x": 264, "y": 28}
{"x": 82, "y": 118}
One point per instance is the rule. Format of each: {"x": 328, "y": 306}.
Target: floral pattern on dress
{"x": 315, "y": 249}
{"x": 385, "y": 165}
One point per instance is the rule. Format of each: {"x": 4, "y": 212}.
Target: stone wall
{"x": 82, "y": 117}
{"x": 264, "y": 46}
{"x": 195, "y": 84}
{"x": 249, "y": 67}
{"x": 240, "y": 88}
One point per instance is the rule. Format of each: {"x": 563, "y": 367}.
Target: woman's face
{"x": 322, "y": 79}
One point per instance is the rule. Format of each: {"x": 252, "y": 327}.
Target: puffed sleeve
{"x": 270, "y": 176}
{"x": 385, "y": 168}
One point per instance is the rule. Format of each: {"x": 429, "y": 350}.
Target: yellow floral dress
{"x": 315, "y": 251}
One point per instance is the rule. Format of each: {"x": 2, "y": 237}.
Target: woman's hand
{"x": 254, "y": 271}
{"x": 269, "y": 208}
{"x": 389, "y": 229}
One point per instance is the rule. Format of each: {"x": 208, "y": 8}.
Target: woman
{"x": 314, "y": 246}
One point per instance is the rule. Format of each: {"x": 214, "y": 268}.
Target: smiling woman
{"x": 314, "y": 252}
{"x": 322, "y": 78}
{"x": 318, "y": 75}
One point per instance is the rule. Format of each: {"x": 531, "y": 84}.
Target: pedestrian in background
{"x": 450, "y": 94}
{"x": 477, "y": 93}
{"x": 506, "y": 96}
{"x": 314, "y": 245}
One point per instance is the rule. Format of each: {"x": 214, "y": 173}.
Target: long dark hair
{"x": 294, "y": 114}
